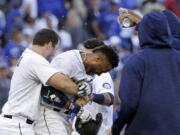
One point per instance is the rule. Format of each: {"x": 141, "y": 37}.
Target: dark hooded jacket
{"x": 174, "y": 24}
{"x": 150, "y": 83}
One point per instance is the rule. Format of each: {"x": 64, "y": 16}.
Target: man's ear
{"x": 98, "y": 58}
{"x": 49, "y": 45}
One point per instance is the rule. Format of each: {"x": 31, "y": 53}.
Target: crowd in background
{"x": 74, "y": 21}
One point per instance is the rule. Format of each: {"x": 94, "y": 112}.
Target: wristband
{"x": 98, "y": 98}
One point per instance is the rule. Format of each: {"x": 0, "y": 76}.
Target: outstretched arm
{"x": 131, "y": 15}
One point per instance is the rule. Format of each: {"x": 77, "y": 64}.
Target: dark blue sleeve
{"x": 129, "y": 92}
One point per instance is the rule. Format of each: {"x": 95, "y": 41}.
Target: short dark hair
{"x": 93, "y": 43}
{"x": 110, "y": 53}
{"x": 45, "y": 36}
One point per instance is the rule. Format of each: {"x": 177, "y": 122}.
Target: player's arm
{"x": 63, "y": 83}
{"x": 103, "y": 90}
{"x": 131, "y": 15}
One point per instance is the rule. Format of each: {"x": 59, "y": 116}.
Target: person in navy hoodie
{"x": 149, "y": 89}
{"x": 174, "y": 24}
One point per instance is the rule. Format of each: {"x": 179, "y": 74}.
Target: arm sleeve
{"x": 43, "y": 70}
{"x": 129, "y": 92}
{"x": 103, "y": 84}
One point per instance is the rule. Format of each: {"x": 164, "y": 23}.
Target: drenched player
{"x": 102, "y": 96}
{"x": 76, "y": 65}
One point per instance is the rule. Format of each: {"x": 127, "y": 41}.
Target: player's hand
{"x": 84, "y": 89}
{"x": 131, "y": 15}
{"x": 82, "y": 100}
{"x": 84, "y": 115}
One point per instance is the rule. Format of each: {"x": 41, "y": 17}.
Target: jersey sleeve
{"x": 103, "y": 84}
{"x": 43, "y": 70}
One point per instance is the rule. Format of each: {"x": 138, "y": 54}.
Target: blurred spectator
{"x": 12, "y": 63}
{"x": 27, "y": 38}
{"x": 55, "y": 7}
{"x": 66, "y": 39}
{"x": 80, "y": 7}
{"x": 104, "y": 4}
{"x": 30, "y": 7}
{"x": 173, "y": 5}
{"x": 4, "y": 84}
{"x": 130, "y": 4}
{"x": 14, "y": 17}
{"x": 30, "y": 28}
{"x": 2, "y": 22}
{"x": 47, "y": 20}
{"x": 30, "y": 23}
{"x": 75, "y": 26}
{"x": 93, "y": 13}
{"x": 3, "y": 58}
{"x": 107, "y": 22}
{"x": 14, "y": 48}
{"x": 2, "y": 2}
{"x": 153, "y": 5}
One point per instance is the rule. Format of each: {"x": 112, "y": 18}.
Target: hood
{"x": 154, "y": 31}
{"x": 174, "y": 25}
{"x": 174, "y": 22}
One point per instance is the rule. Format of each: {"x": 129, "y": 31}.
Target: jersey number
{"x": 19, "y": 61}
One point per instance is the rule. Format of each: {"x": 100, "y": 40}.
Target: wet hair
{"x": 45, "y": 36}
{"x": 93, "y": 43}
{"x": 110, "y": 54}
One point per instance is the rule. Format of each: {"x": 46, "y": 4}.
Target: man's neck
{"x": 39, "y": 50}
{"x": 83, "y": 56}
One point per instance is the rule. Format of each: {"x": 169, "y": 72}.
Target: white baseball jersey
{"x": 68, "y": 63}
{"x": 24, "y": 96}
{"x": 102, "y": 84}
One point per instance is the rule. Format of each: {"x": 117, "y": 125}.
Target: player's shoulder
{"x": 32, "y": 57}
{"x": 103, "y": 83}
{"x": 70, "y": 56}
{"x": 103, "y": 76}
{"x": 68, "y": 53}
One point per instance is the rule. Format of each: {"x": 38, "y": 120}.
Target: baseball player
{"x": 102, "y": 95}
{"x": 33, "y": 70}
{"x": 76, "y": 65}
